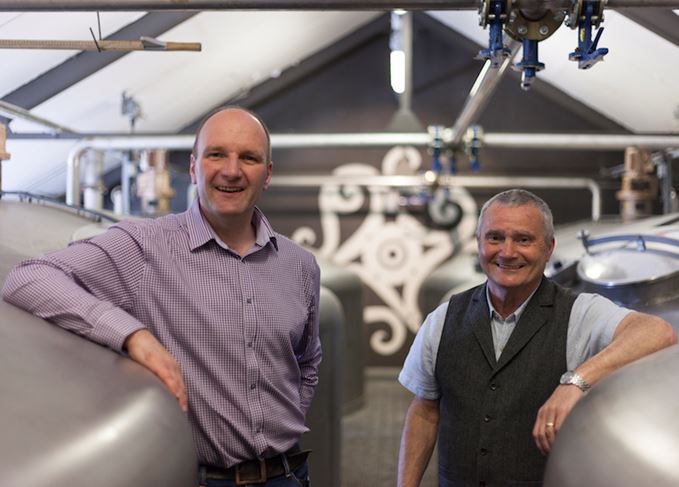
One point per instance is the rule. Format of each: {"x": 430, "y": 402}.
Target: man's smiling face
{"x": 512, "y": 248}
{"x": 230, "y": 165}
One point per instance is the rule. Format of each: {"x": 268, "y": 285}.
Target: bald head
{"x": 234, "y": 108}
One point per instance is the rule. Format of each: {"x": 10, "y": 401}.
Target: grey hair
{"x": 520, "y": 197}
{"x": 234, "y": 107}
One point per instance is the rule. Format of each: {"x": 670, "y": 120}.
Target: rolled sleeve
{"x": 419, "y": 369}
{"x": 592, "y": 324}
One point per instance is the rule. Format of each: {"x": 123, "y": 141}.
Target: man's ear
{"x": 551, "y": 247}
{"x": 269, "y": 172}
{"x": 192, "y": 168}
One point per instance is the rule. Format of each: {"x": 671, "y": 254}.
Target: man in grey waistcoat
{"x": 496, "y": 370}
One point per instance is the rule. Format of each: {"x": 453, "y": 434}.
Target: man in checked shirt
{"x": 215, "y": 303}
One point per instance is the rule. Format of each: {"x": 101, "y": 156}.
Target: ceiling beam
{"x": 84, "y": 64}
{"x": 661, "y": 21}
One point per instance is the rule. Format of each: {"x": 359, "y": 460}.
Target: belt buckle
{"x": 260, "y": 480}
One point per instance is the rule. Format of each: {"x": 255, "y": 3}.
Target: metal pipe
{"x": 480, "y": 94}
{"x": 150, "y": 5}
{"x": 448, "y": 181}
{"x": 16, "y": 111}
{"x": 579, "y": 141}
{"x": 289, "y": 141}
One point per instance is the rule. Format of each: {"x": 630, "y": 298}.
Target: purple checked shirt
{"x": 244, "y": 330}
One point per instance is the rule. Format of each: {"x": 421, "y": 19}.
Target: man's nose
{"x": 231, "y": 166}
{"x": 507, "y": 247}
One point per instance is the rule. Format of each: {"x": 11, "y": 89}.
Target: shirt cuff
{"x": 113, "y": 327}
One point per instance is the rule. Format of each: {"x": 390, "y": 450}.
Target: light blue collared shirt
{"x": 591, "y": 326}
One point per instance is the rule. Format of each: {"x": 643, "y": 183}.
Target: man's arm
{"x": 86, "y": 288}
{"x": 417, "y": 441}
{"x": 636, "y": 336}
{"x": 310, "y": 359}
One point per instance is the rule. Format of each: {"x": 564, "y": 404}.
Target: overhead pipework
{"x": 531, "y": 23}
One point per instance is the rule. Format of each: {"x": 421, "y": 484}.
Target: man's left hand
{"x": 552, "y": 415}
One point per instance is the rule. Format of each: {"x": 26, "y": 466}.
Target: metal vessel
{"x": 73, "y": 412}
{"x": 625, "y": 432}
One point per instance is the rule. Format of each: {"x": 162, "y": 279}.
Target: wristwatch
{"x": 572, "y": 377}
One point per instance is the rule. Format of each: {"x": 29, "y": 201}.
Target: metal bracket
{"x": 473, "y": 141}
{"x": 494, "y": 13}
{"x": 585, "y": 15}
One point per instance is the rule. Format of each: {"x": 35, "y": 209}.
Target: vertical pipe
{"x": 73, "y": 174}
{"x": 405, "y": 99}
{"x": 93, "y": 198}
{"x": 127, "y": 172}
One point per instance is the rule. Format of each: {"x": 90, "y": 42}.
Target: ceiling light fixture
{"x": 397, "y": 57}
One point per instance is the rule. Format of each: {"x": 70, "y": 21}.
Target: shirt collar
{"x": 512, "y": 317}
{"x": 201, "y": 232}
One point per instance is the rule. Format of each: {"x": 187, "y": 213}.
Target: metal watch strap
{"x": 572, "y": 377}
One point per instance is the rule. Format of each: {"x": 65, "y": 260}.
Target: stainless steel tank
{"x": 324, "y": 418}
{"x": 625, "y": 432}
{"x": 72, "y": 412}
{"x": 348, "y": 288}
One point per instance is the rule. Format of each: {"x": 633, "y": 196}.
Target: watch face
{"x": 566, "y": 378}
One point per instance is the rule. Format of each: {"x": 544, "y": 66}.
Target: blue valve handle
{"x": 587, "y": 54}
{"x": 436, "y": 165}
{"x": 474, "y": 162}
{"x": 496, "y": 51}
{"x": 529, "y": 63}
{"x": 473, "y": 148}
{"x": 452, "y": 164}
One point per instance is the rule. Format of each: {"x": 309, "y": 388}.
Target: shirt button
{"x": 483, "y": 452}
{"x": 249, "y": 300}
{"x": 493, "y": 387}
{"x": 487, "y": 418}
{"x": 250, "y": 344}
{"x": 252, "y": 386}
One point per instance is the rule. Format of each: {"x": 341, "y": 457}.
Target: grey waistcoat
{"x": 488, "y": 407}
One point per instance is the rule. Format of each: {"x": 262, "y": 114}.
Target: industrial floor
{"x": 371, "y": 435}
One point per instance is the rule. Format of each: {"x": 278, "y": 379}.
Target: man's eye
{"x": 249, "y": 158}
{"x": 494, "y": 238}
{"x": 214, "y": 155}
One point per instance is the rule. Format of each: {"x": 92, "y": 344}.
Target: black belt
{"x": 258, "y": 471}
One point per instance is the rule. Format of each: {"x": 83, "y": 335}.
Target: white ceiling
{"x": 636, "y": 86}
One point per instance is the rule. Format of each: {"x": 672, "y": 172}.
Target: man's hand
{"x": 145, "y": 349}
{"x": 552, "y": 415}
